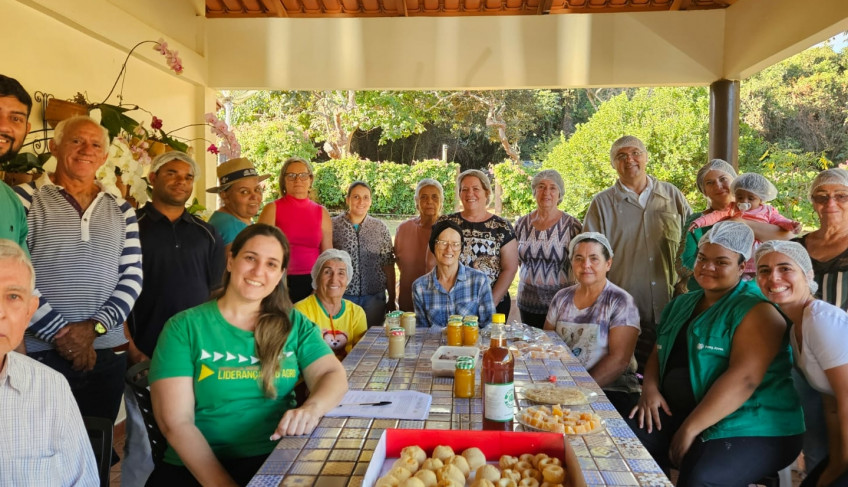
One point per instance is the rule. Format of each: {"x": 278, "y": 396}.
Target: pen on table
{"x": 381, "y": 403}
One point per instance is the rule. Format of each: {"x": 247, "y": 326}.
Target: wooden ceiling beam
{"x": 278, "y": 8}
{"x": 544, "y": 7}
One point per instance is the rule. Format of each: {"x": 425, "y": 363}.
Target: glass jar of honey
{"x": 463, "y": 377}
{"x": 408, "y": 323}
{"x": 454, "y": 333}
{"x": 392, "y": 321}
{"x": 470, "y": 331}
{"x": 397, "y": 342}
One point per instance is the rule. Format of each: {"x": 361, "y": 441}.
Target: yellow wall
{"x": 57, "y": 55}
{"x": 467, "y": 52}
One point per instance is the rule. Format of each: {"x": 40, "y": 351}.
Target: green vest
{"x": 774, "y": 408}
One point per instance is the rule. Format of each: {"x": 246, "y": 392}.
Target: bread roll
{"x": 415, "y": 452}
{"x": 432, "y": 464}
{"x": 461, "y": 463}
{"x": 443, "y": 452}
{"x": 475, "y": 457}
{"x": 412, "y": 482}
{"x": 488, "y": 472}
{"x": 428, "y": 477}
{"x": 553, "y": 474}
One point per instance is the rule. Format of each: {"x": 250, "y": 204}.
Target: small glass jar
{"x": 392, "y": 320}
{"x": 408, "y": 323}
{"x": 455, "y": 333}
{"x": 463, "y": 377}
{"x": 470, "y": 331}
{"x": 397, "y": 342}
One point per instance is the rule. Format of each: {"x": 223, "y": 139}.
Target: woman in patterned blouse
{"x": 490, "y": 244}
{"x": 543, "y": 238}
{"x": 369, "y": 244}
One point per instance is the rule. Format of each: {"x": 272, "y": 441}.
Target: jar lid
{"x": 470, "y": 318}
{"x": 454, "y": 323}
{"x": 470, "y": 323}
{"x": 395, "y": 314}
{"x": 465, "y": 363}
{"x": 409, "y": 314}
{"x": 397, "y": 332}
{"x": 455, "y": 317}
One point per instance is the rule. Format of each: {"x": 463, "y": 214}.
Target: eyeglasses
{"x": 443, "y": 244}
{"x": 303, "y": 176}
{"x": 624, "y": 155}
{"x": 822, "y": 199}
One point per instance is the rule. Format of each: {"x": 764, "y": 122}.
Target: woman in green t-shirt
{"x": 223, "y": 373}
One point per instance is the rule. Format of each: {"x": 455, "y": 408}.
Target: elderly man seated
{"x": 342, "y": 322}
{"x": 42, "y": 440}
{"x": 450, "y": 288}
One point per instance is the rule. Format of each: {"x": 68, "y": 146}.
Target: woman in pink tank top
{"x": 306, "y": 224}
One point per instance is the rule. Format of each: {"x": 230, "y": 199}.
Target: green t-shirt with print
{"x": 231, "y": 410}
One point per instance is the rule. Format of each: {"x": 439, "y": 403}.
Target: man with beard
{"x": 183, "y": 262}
{"x": 15, "y": 106}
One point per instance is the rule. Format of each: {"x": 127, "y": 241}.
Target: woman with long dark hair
{"x": 223, "y": 373}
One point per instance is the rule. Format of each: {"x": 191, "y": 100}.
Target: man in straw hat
{"x": 183, "y": 262}
{"x": 241, "y": 191}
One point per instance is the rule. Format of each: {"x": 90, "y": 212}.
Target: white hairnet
{"x": 713, "y": 165}
{"x": 331, "y": 254}
{"x": 757, "y": 184}
{"x": 599, "y": 237}
{"x": 794, "y": 251}
{"x": 551, "y": 175}
{"x": 626, "y": 141}
{"x": 733, "y": 236}
{"x": 831, "y": 176}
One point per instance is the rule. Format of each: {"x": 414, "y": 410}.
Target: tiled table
{"x": 337, "y": 453}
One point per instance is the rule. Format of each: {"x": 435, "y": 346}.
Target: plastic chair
{"x": 100, "y": 434}
{"x": 136, "y": 378}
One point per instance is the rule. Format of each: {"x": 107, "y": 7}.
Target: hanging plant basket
{"x": 58, "y": 110}
{"x": 15, "y": 178}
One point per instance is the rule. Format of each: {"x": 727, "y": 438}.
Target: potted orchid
{"x": 132, "y": 144}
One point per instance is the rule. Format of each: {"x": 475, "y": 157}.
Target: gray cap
{"x": 626, "y": 141}
{"x": 794, "y": 251}
{"x": 331, "y": 254}
{"x": 599, "y": 237}
{"x": 550, "y": 175}
{"x": 831, "y": 176}
{"x": 713, "y": 165}
{"x": 733, "y": 236}
{"x": 173, "y": 155}
{"x": 756, "y": 184}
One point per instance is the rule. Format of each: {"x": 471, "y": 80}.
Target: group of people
{"x": 294, "y": 292}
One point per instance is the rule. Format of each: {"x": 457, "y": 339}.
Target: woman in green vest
{"x": 717, "y": 400}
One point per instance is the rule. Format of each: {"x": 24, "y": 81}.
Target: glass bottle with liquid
{"x": 497, "y": 378}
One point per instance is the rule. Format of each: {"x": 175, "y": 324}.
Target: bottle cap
{"x": 465, "y": 362}
{"x": 498, "y": 318}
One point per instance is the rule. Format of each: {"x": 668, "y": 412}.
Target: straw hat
{"x": 232, "y": 171}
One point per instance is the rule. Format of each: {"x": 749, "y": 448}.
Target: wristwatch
{"x": 99, "y": 329}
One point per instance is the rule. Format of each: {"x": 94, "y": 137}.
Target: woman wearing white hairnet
{"x": 717, "y": 400}
{"x": 819, "y": 336}
{"x": 828, "y": 250}
{"x": 599, "y": 321}
{"x": 342, "y": 322}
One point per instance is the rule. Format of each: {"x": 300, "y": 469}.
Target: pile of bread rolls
{"x": 447, "y": 469}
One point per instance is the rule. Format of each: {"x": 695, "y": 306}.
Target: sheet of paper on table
{"x": 384, "y": 404}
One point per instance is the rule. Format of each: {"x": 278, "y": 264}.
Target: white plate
{"x": 589, "y": 396}
{"x": 520, "y": 417}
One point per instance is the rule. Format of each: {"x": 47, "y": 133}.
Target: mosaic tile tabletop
{"x": 337, "y": 453}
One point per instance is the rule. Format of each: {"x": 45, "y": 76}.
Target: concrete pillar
{"x": 724, "y": 121}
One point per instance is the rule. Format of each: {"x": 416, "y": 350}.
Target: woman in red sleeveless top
{"x": 305, "y": 223}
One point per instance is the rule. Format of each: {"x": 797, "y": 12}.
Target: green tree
{"x": 801, "y": 103}
{"x": 673, "y": 123}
